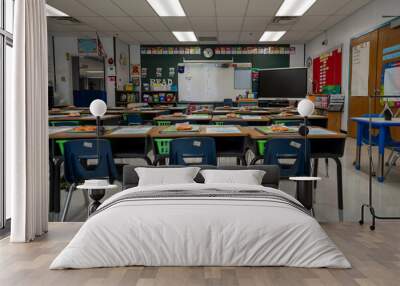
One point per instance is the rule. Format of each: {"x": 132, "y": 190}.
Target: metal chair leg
{"x": 67, "y": 202}
{"x": 327, "y": 167}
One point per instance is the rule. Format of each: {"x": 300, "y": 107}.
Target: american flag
{"x": 100, "y": 49}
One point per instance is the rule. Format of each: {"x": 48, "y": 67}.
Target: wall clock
{"x": 208, "y": 53}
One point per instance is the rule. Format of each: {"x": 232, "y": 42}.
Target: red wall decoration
{"x": 327, "y": 73}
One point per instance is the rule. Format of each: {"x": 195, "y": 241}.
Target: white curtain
{"x": 26, "y": 124}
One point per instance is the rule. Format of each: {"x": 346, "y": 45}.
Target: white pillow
{"x": 166, "y": 176}
{"x": 248, "y": 177}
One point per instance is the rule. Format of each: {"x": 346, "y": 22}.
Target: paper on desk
{"x": 132, "y": 130}
{"x": 58, "y": 129}
{"x": 223, "y": 129}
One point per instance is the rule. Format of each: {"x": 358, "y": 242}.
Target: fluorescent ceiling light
{"x": 294, "y": 7}
{"x": 185, "y": 36}
{"x": 167, "y": 8}
{"x": 272, "y": 36}
{"x": 53, "y": 12}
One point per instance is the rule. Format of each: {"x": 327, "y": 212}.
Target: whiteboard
{"x": 207, "y": 82}
{"x": 360, "y": 70}
{"x": 243, "y": 79}
{"x": 391, "y": 85}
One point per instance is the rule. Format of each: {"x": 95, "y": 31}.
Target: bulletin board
{"x": 327, "y": 72}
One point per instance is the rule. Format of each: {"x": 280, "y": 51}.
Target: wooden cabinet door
{"x": 358, "y": 104}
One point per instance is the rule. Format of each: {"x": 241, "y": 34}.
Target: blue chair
{"x": 228, "y": 102}
{"x": 134, "y": 119}
{"x": 203, "y": 148}
{"x": 293, "y": 149}
{"x": 76, "y": 167}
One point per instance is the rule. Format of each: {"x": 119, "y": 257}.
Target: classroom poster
{"x": 360, "y": 69}
{"x": 327, "y": 72}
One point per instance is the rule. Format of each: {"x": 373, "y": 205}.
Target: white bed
{"x": 200, "y": 231}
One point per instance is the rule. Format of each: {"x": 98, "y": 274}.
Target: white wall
{"x": 297, "y": 59}
{"x": 364, "y": 20}
{"x": 64, "y": 49}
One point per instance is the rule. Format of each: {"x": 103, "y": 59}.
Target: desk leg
{"x": 315, "y": 170}
{"x": 339, "y": 182}
{"x": 358, "y": 148}
{"x": 381, "y": 162}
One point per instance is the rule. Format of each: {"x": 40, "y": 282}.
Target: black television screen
{"x": 283, "y": 83}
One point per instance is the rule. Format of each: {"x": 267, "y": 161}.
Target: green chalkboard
{"x": 166, "y": 61}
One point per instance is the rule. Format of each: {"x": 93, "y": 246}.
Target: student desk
{"x": 174, "y": 108}
{"x": 314, "y": 120}
{"x": 147, "y": 114}
{"x": 383, "y": 126}
{"x": 228, "y": 144}
{"x": 126, "y": 142}
{"x": 193, "y": 119}
{"x": 248, "y": 119}
{"x": 323, "y": 144}
{"x": 87, "y": 119}
{"x": 241, "y": 111}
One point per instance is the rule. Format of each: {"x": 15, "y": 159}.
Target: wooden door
{"x": 358, "y": 104}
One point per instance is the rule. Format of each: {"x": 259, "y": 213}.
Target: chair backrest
{"x": 78, "y": 152}
{"x": 228, "y": 102}
{"x": 186, "y": 148}
{"x": 277, "y": 150}
{"x": 134, "y": 119}
{"x": 65, "y": 123}
{"x": 289, "y": 122}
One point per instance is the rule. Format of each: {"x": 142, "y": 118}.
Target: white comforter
{"x": 219, "y": 232}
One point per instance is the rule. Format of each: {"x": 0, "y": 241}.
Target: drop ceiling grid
{"x": 232, "y": 21}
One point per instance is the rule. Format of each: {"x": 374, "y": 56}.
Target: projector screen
{"x": 283, "y": 83}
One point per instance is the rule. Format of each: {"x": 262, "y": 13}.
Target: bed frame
{"x": 270, "y": 179}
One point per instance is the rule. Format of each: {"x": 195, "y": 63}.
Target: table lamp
{"x": 98, "y": 108}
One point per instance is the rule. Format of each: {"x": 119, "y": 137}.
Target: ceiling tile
{"x": 228, "y": 37}
{"x": 255, "y": 23}
{"x": 231, "y": 7}
{"x": 311, "y": 35}
{"x": 263, "y": 7}
{"x": 351, "y": 7}
{"x": 142, "y": 36}
{"x": 229, "y": 23}
{"x": 309, "y": 23}
{"x": 151, "y": 24}
{"x": 100, "y": 23}
{"x": 277, "y": 27}
{"x": 250, "y": 37}
{"x": 103, "y": 7}
{"x": 164, "y": 37}
{"x": 326, "y": 7}
{"x": 204, "y": 23}
{"x": 136, "y": 7}
{"x": 331, "y": 21}
{"x": 177, "y": 23}
{"x": 294, "y": 36}
{"x": 72, "y": 8}
{"x": 124, "y": 23}
{"x": 204, "y": 8}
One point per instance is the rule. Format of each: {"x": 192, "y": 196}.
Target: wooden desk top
{"x": 255, "y": 134}
{"x": 171, "y": 117}
{"x": 246, "y": 118}
{"x": 156, "y": 132}
{"x": 296, "y": 117}
{"x": 146, "y": 111}
{"x": 84, "y": 117}
{"x": 111, "y": 132}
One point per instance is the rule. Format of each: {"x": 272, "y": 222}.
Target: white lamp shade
{"x": 98, "y": 107}
{"x": 305, "y": 107}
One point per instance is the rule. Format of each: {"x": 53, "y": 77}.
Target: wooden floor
{"x": 375, "y": 257}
